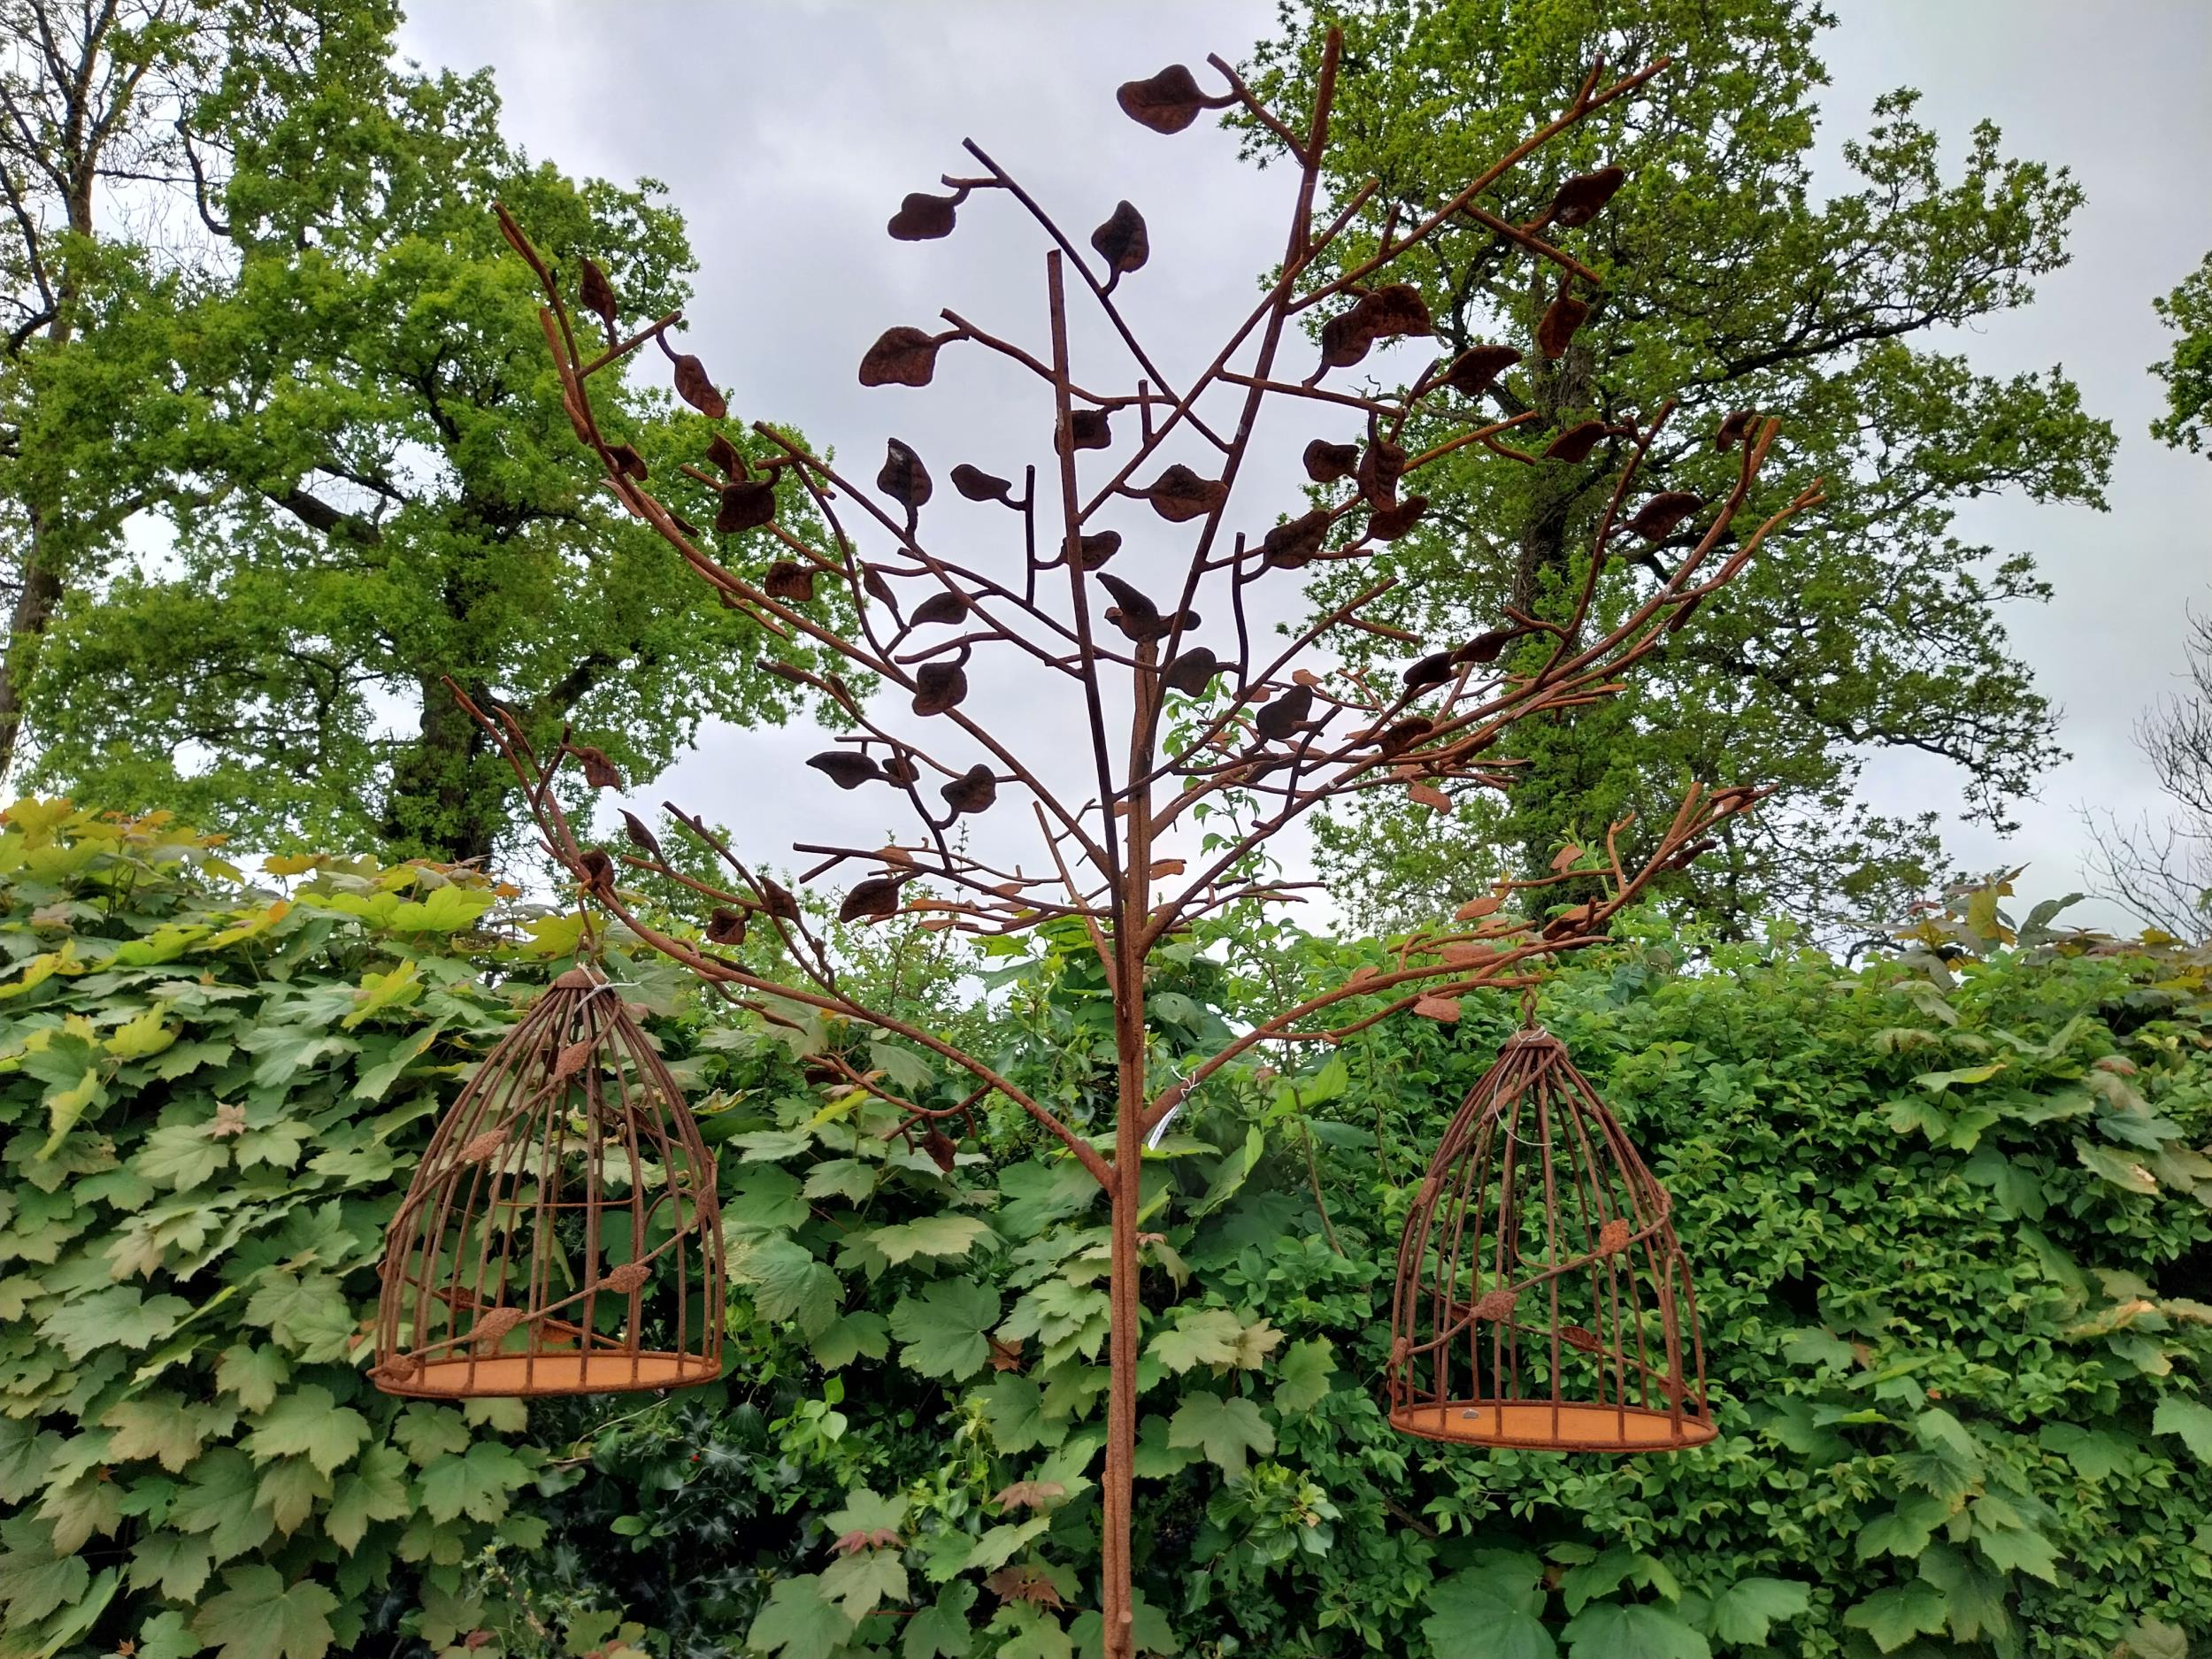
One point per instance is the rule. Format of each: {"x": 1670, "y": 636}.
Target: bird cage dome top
{"x": 1542, "y": 1300}
{"x": 560, "y": 1235}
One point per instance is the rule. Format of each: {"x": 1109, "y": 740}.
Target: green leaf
{"x": 940, "y": 1237}
{"x": 1149, "y": 1625}
{"x": 157, "y": 1425}
{"x": 257, "y": 1616}
{"x": 309, "y": 1422}
{"x": 173, "y": 1565}
{"x": 446, "y": 909}
{"x": 1199, "y": 1336}
{"x": 2191, "y": 1420}
{"x": 767, "y": 1200}
{"x": 798, "y": 1623}
{"x": 1013, "y": 1409}
{"x": 788, "y": 1282}
{"x": 33, "y": 1581}
{"x": 2095, "y": 1453}
{"x": 289, "y": 1489}
{"x": 167, "y": 1636}
{"x": 254, "y": 1374}
{"x": 2122, "y": 1171}
{"x": 1895, "y": 1616}
{"x": 941, "y": 1330}
{"x": 849, "y": 1337}
{"x": 374, "y": 1489}
{"x": 1742, "y": 1612}
{"x": 1302, "y": 1376}
{"x": 2155, "y": 1638}
{"x": 1612, "y": 1631}
{"x": 1224, "y": 1430}
{"x": 221, "y": 1501}
{"x": 1490, "y": 1610}
{"x": 476, "y": 1483}
{"x": 940, "y": 1631}
{"x": 119, "y": 1317}
{"x": 859, "y": 1582}
{"x": 866, "y": 1511}
{"x": 1974, "y": 1598}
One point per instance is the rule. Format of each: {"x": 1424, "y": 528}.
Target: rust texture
{"x": 1541, "y": 1300}
{"x": 562, "y": 1233}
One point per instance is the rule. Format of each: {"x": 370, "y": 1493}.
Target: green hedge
{"x": 1953, "y": 1238}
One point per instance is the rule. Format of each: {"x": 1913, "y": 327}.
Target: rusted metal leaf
{"x": 1395, "y": 309}
{"x": 1429, "y": 795}
{"x": 1191, "y": 671}
{"x": 726, "y": 926}
{"x": 789, "y": 580}
{"x": 1024, "y": 1582}
{"x": 1613, "y": 1236}
{"x": 1380, "y": 465}
{"x": 1475, "y": 370}
{"x": 872, "y": 900}
{"x": 1657, "y": 518}
{"x": 924, "y": 218}
{"x": 641, "y": 837}
{"x": 494, "y": 1324}
{"x": 873, "y": 582}
{"x": 1387, "y": 524}
{"x": 572, "y": 1058}
{"x": 1558, "y": 324}
{"x": 1122, "y": 243}
{"x": 746, "y": 505}
{"x": 484, "y": 1146}
{"x": 1404, "y": 734}
{"x": 1581, "y": 1340}
{"x": 946, "y": 606}
{"x": 939, "y": 687}
{"x": 597, "y": 294}
{"x": 631, "y": 1276}
{"x": 1087, "y": 429}
{"x": 1286, "y": 716}
{"x": 1496, "y": 1304}
{"x": 1566, "y": 859}
{"x": 1180, "y": 494}
{"x": 1292, "y": 545}
{"x": 1092, "y": 551}
{"x": 1577, "y": 441}
{"x": 596, "y": 869}
{"x": 972, "y": 791}
{"x": 846, "y": 768}
{"x": 628, "y": 461}
{"x": 1436, "y": 669}
{"x": 777, "y": 900}
{"x": 1445, "y": 1008}
{"x": 899, "y": 357}
{"x": 1327, "y": 462}
{"x": 944, "y": 1151}
{"x": 901, "y": 770}
{"x": 1166, "y": 103}
{"x": 726, "y": 457}
{"x": 977, "y": 485}
{"x": 696, "y": 388}
{"x": 1483, "y": 647}
{"x": 1735, "y": 426}
{"x": 1474, "y": 910}
{"x": 599, "y": 771}
{"x": 903, "y": 478}
{"x": 1583, "y": 198}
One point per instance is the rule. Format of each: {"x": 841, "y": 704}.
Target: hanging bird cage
{"x": 561, "y": 1235}
{"x": 1542, "y": 1300}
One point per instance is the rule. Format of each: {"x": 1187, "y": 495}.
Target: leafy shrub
{"x": 211, "y": 1096}
{"x": 1952, "y": 1245}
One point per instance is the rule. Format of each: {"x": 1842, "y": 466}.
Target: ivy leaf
{"x": 1302, "y": 1375}
{"x": 476, "y": 1483}
{"x": 1489, "y": 1610}
{"x": 33, "y": 1581}
{"x": 1013, "y": 1408}
{"x": 849, "y": 1337}
{"x": 254, "y": 1374}
{"x": 942, "y": 1236}
{"x": 161, "y": 1427}
{"x": 941, "y": 1331}
{"x": 167, "y": 1636}
{"x": 1973, "y": 1597}
{"x": 1223, "y": 1430}
{"x": 2189, "y": 1420}
{"x": 374, "y": 1489}
{"x": 798, "y": 1623}
{"x": 1895, "y": 1616}
{"x": 940, "y": 1630}
{"x": 175, "y": 1565}
{"x": 857, "y": 1583}
{"x": 119, "y": 1317}
{"x": 1613, "y": 1631}
{"x": 1199, "y": 1336}
{"x": 180, "y": 1156}
{"x": 2095, "y": 1453}
{"x": 1742, "y": 1612}
{"x": 289, "y": 1490}
{"x": 309, "y": 1422}
{"x": 428, "y": 1432}
{"x": 788, "y": 1283}
{"x": 2122, "y": 1171}
{"x": 221, "y": 1501}
{"x": 1153, "y": 1634}
{"x": 257, "y": 1616}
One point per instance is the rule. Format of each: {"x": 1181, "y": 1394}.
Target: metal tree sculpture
{"x": 1277, "y": 732}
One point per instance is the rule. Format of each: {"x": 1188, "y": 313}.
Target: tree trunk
{"x": 438, "y": 806}
{"x": 35, "y": 608}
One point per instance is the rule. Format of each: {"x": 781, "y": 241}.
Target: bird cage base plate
{"x": 1539, "y": 1425}
{"x": 510, "y": 1375}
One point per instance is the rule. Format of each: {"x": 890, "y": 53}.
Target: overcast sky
{"x": 787, "y": 135}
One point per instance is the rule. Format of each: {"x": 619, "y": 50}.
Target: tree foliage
{"x": 2188, "y": 310}
{"x": 343, "y": 413}
{"x": 1728, "y": 281}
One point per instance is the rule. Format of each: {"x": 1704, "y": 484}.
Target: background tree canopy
{"x": 1728, "y": 284}
{"x": 342, "y": 408}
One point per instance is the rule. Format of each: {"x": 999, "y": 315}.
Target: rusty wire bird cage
{"x": 562, "y": 1233}
{"x": 1542, "y": 1300}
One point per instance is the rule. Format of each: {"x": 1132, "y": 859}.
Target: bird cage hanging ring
{"x": 562, "y": 1234}
{"x": 1542, "y": 1300}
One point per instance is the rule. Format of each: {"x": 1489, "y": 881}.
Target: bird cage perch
{"x": 1542, "y": 1300}
{"x": 560, "y": 1235}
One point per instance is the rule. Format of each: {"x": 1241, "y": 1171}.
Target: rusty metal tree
{"x": 1177, "y": 713}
